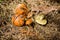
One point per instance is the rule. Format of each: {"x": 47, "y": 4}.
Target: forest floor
{"x": 50, "y": 31}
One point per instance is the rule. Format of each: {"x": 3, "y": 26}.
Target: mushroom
{"x": 40, "y": 19}
{"x": 18, "y": 20}
{"x": 21, "y": 9}
{"x": 29, "y": 21}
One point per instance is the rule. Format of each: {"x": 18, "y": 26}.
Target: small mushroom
{"x": 40, "y": 19}
{"x": 29, "y": 15}
{"x": 29, "y": 21}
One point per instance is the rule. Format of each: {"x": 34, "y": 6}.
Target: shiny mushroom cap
{"x": 21, "y": 9}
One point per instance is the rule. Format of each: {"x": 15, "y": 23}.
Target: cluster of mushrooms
{"x": 23, "y": 17}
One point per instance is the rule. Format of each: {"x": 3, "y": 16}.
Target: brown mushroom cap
{"x": 17, "y": 20}
{"x": 21, "y": 9}
{"x": 29, "y": 21}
